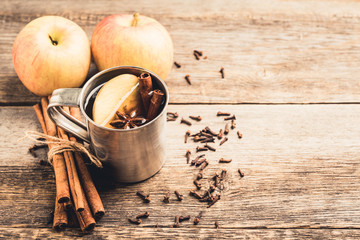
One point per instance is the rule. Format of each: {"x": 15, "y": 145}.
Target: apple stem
{"x": 135, "y": 20}
{"x": 53, "y": 41}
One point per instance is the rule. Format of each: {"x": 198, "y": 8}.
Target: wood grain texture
{"x": 301, "y": 166}
{"x": 273, "y": 52}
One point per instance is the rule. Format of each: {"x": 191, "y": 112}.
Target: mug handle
{"x": 67, "y": 97}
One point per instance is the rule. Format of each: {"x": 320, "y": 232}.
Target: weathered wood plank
{"x": 283, "y": 52}
{"x": 301, "y": 166}
{"x": 182, "y": 233}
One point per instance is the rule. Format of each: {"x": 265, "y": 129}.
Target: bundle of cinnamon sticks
{"x": 77, "y": 199}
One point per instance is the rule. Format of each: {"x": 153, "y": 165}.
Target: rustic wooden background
{"x": 292, "y": 79}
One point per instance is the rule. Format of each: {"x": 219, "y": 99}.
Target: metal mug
{"x": 133, "y": 155}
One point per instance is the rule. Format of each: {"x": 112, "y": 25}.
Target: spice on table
{"x": 199, "y": 175}
{"x": 200, "y": 149}
{"x": 167, "y": 197}
{"x": 197, "y": 218}
{"x": 239, "y": 134}
{"x": 222, "y": 160}
{"x": 197, "y": 184}
{"x": 172, "y": 114}
{"x": 216, "y": 224}
{"x": 227, "y": 129}
{"x": 199, "y": 138}
{"x": 223, "y": 174}
{"x": 195, "y": 194}
{"x": 143, "y": 215}
{"x": 185, "y": 122}
{"x": 187, "y": 155}
{"x": 196, "y": 118}
{"x": 210, "y": 147}
{"x": 145, "y": 197}
{"x": 176, "y": 224}
{"x": 187, "y": 78}
{"x": 241, "y": 173}
{"x": 222, "y": 72}
{"x": 233, "y": 124}
{"x": 204, "y": 165}
{"x": 135, "y": 220}
{"x": 170, "y": 119}
{"x": 200, "y": 53}
{"x": 200, "y": 161}
{"x": 216, "y": 198}
{"x": 223, "y": 114}
{"x": 233, "y": 117}
{"x": 178, "y": 65}
{"x": 208, "y": 130}
{"x": 179, "y": 196}
{"x": 220, "y": 134}
{"x": 187, "y": 134}
{"x": 223, "y": 141}
{"x": 184, "y": 218}
{"x": 207, "y": 140}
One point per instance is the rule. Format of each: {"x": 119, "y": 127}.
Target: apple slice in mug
{"x": 121, "y": 93}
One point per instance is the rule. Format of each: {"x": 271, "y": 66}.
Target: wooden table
{"x": 292, "y": 80}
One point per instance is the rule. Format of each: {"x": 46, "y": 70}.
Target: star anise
{"x": 126, "y": 121}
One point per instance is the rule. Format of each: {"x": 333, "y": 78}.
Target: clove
{"x": 197, "y": 184}
{"x": 200, "y": 53}
{"x": 204, "y": 134}
{"x": 195, "y": 194}
{"x": 208, "y": 140}
{"x": 200, "y": 149}
{"x": 210, "y": 147}
{"x": 187, "y": 134}
{"x": 184, "y": 218}
{"x": 198, "y": 138}
{"x": 145, "y": 197}
{"x": 223, "y": 174}
{"x": 171, "y": 114}
{"x": 222, "y": 160}
{"x": 230, "y": 118}
{"x": 169, "y": 119}
{"x": 208, "y": 130}
{"x": 187, "y": 78}
{"x": 177, "y": 65}
{"x": 197, "y": 218}
{"x": 176, "y": 224}
{"x": 167, "y": 197}
{"x": 239, "y": 134}
{"x": 143, "y": 215}
{"x": 222, "y": 72}
{"x": 233, "y": 124}
{"x": 241, "y": 173}
{"x": 223, "y": 141}
{"x": 216, "y": 198}
{"x": 185, "y": 122}
{"x": 179, "y": 196}
{"x": 134, "y": 221}
{"x": 187, "y": 155}
{"x": 223, "y": 114}
{"x": 204, "y": 165}
{"x": 199, "y": 175}
{"x": 196, "y": 118}
{"x": 216, "y": 224}
{"x": 200, "y": 161}
{"x": 227, "y": 129}
{"x": 220, "y": 134}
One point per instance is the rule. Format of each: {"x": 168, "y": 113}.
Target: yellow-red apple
{"x": 51, "y": 52}
{"x": 137, "y": 40}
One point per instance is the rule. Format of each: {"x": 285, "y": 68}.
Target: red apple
{"x": 51, "y": 52}
{"x": 137, "y": 40}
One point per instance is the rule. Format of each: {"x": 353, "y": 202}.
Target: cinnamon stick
{"x": 74, "y": 181}
{"x": 60, "y": 217}
{"x": 85, "y": 218}
{"x": 49, "y": 128}
{"x": 87, "y": 183}
{"x": 155, "y": 104}
{"x": 145, "y": 87}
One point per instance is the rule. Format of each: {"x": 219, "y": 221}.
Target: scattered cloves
{"x": 172, "y": 114}
{"x": 195, "y": 194}
{"x": 187, "y": 78}
{"x": 230, "y": 118}
{"x": 187, "y": 155}
{"x": 200, "y": 161}
{"x": 185, "y": 122}
{"x": 134, "y": 221}
{"x": 208, "y": 130}
{"x": 200, "y": 53}
{"x": 216, "y": 224}
{"x": 222, "y": 72}
{"x": 179, "y": 196}
{"x": 223, "y": 141}
{"x": 176, "y": 224}
{"x": 199, "y": 138}
{"x": 222, "y": 160}
{"x": 169, "y": 119}
{"x": 223, "y": 174}
{"x": 223, "y": 114}
{"x": 145, "y": 197}
{"x": 241, "y": 173}
{"x": 207, "y": 140}
{"x": 167, "y": 197}
{"x": 239, "y": 134}
{"x": 196, "y": 118}
{"x": 177, "y": 64}
{"x": 204, "y": 165}
{"x": 199, "y": 175}
{"x": 187, "y": 134}
{"x": 143, "y": 215}
{"x": 184, "y": 218}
